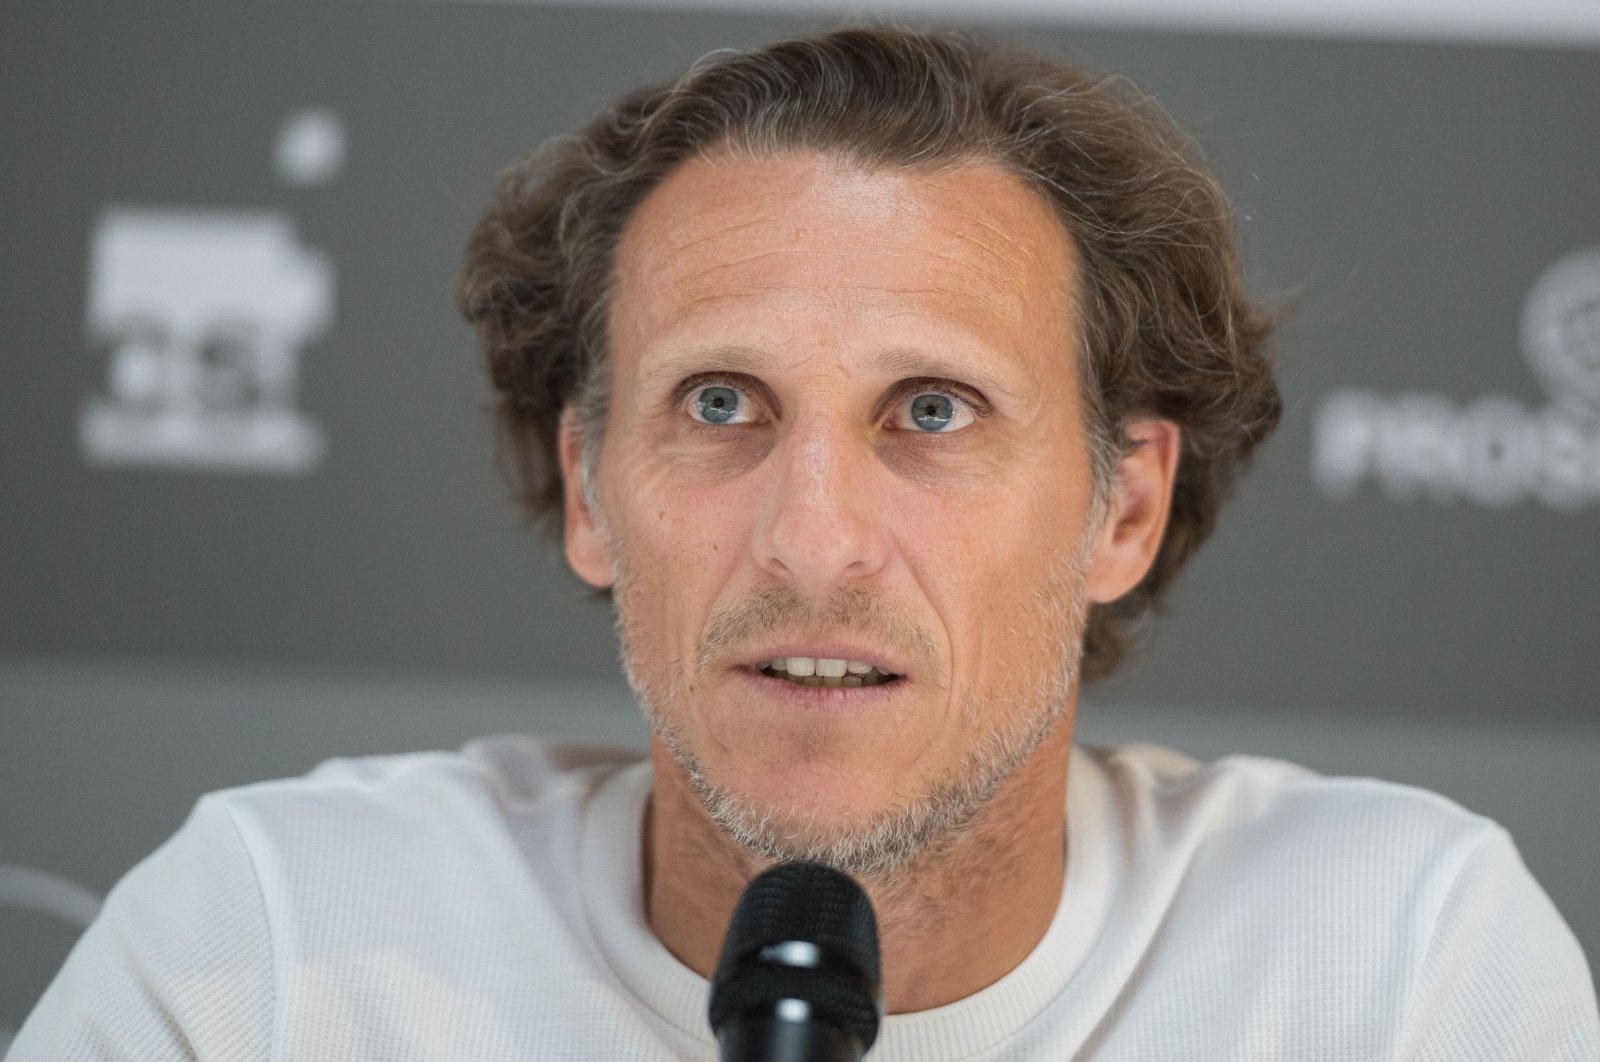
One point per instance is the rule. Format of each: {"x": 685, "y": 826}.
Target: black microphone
{"x": 798, "y": 979}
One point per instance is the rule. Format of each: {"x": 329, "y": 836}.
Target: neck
{"x": 949, "y": 924}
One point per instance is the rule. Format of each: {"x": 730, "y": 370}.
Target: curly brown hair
{"x": 1166, "y": 325}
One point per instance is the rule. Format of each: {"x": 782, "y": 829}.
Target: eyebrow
{"x": 702, "y": 359}
{"x": 903, "y": 362}
{"x": 910, "y": 362}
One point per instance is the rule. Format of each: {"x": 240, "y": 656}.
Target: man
{"x": 885, "y": 379}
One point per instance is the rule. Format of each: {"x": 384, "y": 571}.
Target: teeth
{"x": 811, "y": 671}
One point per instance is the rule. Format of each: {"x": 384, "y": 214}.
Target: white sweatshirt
{"x": 486, "y": 905}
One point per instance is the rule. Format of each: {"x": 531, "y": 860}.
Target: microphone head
{"x": 806, "y": 932}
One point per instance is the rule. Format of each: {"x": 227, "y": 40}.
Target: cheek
{"x": 995, "y": 566}
{"x": 682, "y": 530}
{"x": 677, "y": 541}
{"x": 989, "y": 538}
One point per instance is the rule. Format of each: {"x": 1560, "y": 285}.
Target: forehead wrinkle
{"x": 849, "y": 253}
{"x": 1009, "y": 280}
{"x": 1010, "y": 253}
{"x": 1006, "y": 230}
{"x": 1013, "y": 245}
{"x": 1018, "y": 237}
{"x": 652, "y": 246}
{"x": 688, "y": 234}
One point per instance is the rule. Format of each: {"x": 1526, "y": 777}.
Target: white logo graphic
{"x": 1494, "y": 451}
{"x": 205, "y": 313}
{"x": 1561, "y": 332}
{"x": 310, "y": 147}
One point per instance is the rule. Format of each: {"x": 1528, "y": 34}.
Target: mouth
{"x": 822, "y": 671}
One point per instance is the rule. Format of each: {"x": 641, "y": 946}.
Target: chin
{"x": 818, "y": 815}
{"x": 862, "y": 843}
{"x": 806, "y": 791}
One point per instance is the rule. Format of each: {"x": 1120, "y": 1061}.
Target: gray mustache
{"x": 847, "y": 611}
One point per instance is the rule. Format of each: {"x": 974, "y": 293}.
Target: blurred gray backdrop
{"x": 248, "y": 512}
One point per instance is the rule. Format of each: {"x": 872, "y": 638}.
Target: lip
{"x": 816, "y": 698}
{"x": 828, "y": 652}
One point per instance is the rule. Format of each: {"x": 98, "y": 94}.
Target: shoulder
{"x": 1317, "y": 894}
{"x": 419, "y": 825}
{"x": 507, "y": 776}
{"x": 1273, "y": 806}
{"x": 1318, "y": 853}
{"x": 410, "y": 816}
{"x": 273, "y": 897}
{"x": 1247, "y": 844}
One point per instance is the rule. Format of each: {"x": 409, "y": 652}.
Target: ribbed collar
{"x": 613, "y": 894}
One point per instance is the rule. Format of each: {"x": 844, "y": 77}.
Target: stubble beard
{"x": 887, "y": 842}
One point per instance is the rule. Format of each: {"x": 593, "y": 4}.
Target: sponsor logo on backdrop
{"x": 204, "y": 314}
{"x": 39, "y": 893}
{"x": 1493, "y": 451}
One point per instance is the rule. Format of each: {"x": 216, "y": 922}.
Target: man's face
{"x": 844, "y": 425}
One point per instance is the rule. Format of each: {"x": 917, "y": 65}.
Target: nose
{"x": 819, "y": 523}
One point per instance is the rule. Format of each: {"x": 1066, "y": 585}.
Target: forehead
{"x": 790, "y": 252}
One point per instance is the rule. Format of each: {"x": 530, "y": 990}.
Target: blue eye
{"x": 716, "y": 404}
{"x": 932, "y": 412}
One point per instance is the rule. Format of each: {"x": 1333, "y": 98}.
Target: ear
{"x": 1141, "y": 499}
{"x": 585, "y": 542}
